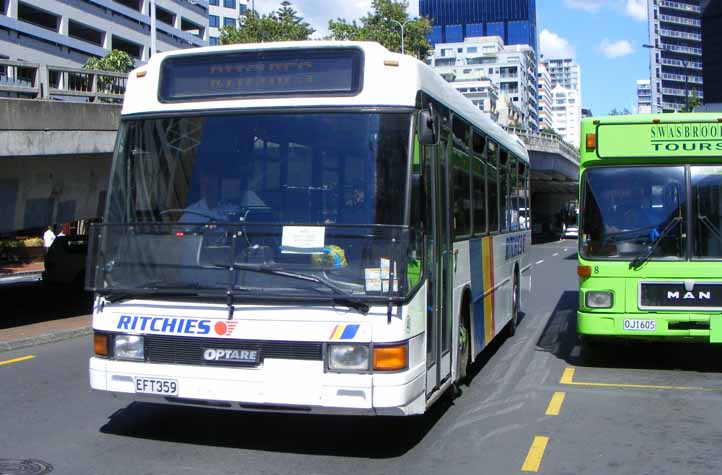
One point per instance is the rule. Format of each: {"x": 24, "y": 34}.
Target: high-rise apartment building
{"x": 223, "y": 13}
{"x": 511, "y": 68}
{"x": 712, "y": 57}
{"x": 566, "y": 113}
{"x": 644, "y": 97}
{"x": 66, "y": 33}
{"x": 515, "y": 21}
{"x": 546, "y": 117}
{"x": 675, "y": 32}
{"x": 564, "y": 72}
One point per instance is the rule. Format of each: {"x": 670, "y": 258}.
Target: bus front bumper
{"x": 652, "y": 326}
{"x": 277, "y": 386}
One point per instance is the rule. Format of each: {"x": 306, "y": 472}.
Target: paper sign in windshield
{"x": 303, "y": 239}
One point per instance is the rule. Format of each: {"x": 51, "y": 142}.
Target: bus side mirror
{"x": 426, "y": 128}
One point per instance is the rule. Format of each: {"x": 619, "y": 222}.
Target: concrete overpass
{"x": 554, "y": 177}
{"x": 55, "y": 160}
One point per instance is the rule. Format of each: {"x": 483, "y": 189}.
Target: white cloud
{"x": 616, "y": 49}
{"x": 591, "y": 6}
{"x": 636, "y": 9}
{"x": 318, "y": 12}
{"x": 554, "y": 46}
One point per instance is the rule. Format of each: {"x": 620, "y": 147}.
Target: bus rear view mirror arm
{"x": 426, "y": 129}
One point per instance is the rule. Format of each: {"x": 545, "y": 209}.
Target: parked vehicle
{"x": 65, "y": 261}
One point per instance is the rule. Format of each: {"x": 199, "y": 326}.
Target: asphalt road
{"x": 647, "y": 409}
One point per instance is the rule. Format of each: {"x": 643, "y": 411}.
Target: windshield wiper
{"x": 165, "y": 289}
{"x": 346, "y": 299}
{"x": 710, "y": 227}
{"x": 642, "y": 258}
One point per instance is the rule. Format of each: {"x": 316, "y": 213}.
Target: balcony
{"x": 680, "y": 34}
{"x": 678, "y": 20}
{"x": 683, "y": 49}
{"x": 680, "y": 6}
{"x": 681, "y": 64}
{"x": 681, "y": 78}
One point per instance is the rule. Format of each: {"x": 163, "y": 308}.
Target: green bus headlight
{"x": 598, "y": 299}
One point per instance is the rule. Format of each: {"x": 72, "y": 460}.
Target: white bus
{"x": 316, "y": 227}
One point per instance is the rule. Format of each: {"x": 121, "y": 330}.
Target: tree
{"x": 376, "y": 26}
{"x": 116, "y": 61}
{"x": 282, "y": 25}
{"x": 624, "y": 111}
{"x": 692, "y": 102}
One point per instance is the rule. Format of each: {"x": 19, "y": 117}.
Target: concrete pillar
{"x": 108, "y": 41}
{"x": 13, "y": 9}
{"x": 64, "y": 25}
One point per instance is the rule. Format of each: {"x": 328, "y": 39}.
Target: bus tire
{"x": 511, "y": 326}
{"x": 463, "y": 356}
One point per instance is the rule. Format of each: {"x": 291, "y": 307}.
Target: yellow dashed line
{"x": 568, "y": 379}
{"x": 16, "y": 360}
{"x": 555, "y": 405}
{"x": 536, "y": 453}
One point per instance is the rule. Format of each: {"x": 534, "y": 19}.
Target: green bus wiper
{"x": 710, "y": 227}
{"x": 642, "y": 258}
{"x": 345, "y": 298}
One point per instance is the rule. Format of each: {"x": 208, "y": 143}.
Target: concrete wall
{"x": 54, "y": 161}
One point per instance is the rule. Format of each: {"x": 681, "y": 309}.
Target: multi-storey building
{"x": 564, "y": 72}
{"x": 712, "y": 57}
{"x": 546, "y": 117}
{"x": 511, "y": 68}
{"x": 515, "y": 21}
{"x": 66, "y": 33}
{"x": 675, "y": 34}
{"x": 644, "y": 96}
{"x": 566, "y": 113}
{"x": 223, "y": 13}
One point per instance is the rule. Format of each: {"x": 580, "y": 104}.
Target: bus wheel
{"x": 463, "y": 359}
{"x": 511, "y": 327}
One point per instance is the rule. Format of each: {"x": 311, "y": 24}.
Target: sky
{"x": 604, "y": 36}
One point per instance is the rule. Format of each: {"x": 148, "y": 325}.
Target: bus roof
{"x": 686, "y": 136}
{"x": 389, "y": 80}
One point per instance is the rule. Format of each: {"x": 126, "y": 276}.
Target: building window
{"x": 134, "y": 50}
{"x": 192, "y": 28}
{"x": 242, "y": 8}
{"x": 164, "y": 16}
{"x": 36, "y": 16}
{"x": 85, "y": 33}
{"x": 213, "y": 41}
{"x": 132, "y": 4}
{"x": 229, "y": 4}
{"x": 213, "y": 21}
{"x": 471, "y": 49}
{"x": 229, "y": 22}
{"x": 213, "y": 3}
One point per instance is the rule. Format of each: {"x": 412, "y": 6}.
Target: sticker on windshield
{"x": 303, "y": 239}
{"x": 373, "y": 279}
{"x": 385, "y": 266}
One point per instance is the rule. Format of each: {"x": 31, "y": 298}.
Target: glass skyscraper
{"x": 515, "y": 21}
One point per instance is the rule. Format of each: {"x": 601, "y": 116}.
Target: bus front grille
{"x": 189, "y": 351}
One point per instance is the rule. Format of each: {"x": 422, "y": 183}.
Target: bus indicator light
{"x": 591, "y": 142}
{"x": 100, "y": 344}
{"x": 584, "y": 271}
{"x": 391, "y": 358}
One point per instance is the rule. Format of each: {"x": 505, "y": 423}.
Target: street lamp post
{"x": 686, "y": 73}
{"x": 402, "y": 25}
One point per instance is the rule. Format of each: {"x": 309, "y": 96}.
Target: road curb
{"x": 53, "y": 337}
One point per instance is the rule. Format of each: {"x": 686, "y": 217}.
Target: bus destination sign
{"x": 699, "y": 139}
{"x": 255, "y": 74}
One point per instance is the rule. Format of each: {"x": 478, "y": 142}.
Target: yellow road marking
{"x": 568, "y": 379}
{"x": 536, "y": 453}
{"x": 16, "y": 360}
{"x": 555, "y": 404}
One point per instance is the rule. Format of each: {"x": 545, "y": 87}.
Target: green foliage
{"x": 116, "y": 61}
{"x": 376, "y": 26}
{"x": 281, "y": 25}
{"x": 692, "y": 102}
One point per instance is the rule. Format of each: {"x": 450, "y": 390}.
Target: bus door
{"x": 440, "y": 267}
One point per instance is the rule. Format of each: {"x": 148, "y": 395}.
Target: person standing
{"x": 48, "y": 238}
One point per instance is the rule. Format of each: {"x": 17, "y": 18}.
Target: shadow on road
{"x": 561, "y": 339}
{"x": 363, "y": 437}
{"x": 32, "y": 302}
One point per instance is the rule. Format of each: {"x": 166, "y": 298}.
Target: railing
{"x": 34, "y": 81}
{"x": 539, "y": 139}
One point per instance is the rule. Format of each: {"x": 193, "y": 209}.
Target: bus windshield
{"x": 627, "y": 210}
{"x": 325, "y": 168}
{"x": 259, "y": 205}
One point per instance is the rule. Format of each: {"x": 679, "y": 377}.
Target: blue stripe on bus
{"x": 349, "y": 332}
{"x": 477, "y": 292}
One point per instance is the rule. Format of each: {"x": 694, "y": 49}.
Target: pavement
{"x": 25, "y": 336}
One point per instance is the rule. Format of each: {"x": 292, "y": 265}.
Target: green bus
{"x": 650, "y": 239}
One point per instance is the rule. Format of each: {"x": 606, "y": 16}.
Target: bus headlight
{"x": 598, "y": 299}
{"x": 348, "y": 357}
{"x": 129, "y": 347}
